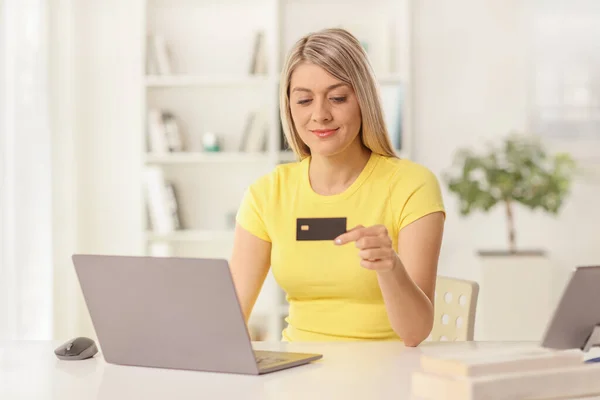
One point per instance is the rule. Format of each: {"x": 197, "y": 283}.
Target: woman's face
{"x": 325, "y": 110}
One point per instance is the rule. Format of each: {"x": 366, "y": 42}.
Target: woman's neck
{"x": 330, "y": 175}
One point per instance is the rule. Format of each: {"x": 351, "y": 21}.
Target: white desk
{"x": 30, "y": 370}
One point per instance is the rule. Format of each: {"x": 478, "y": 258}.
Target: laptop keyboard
{"x": 266, "y": 358}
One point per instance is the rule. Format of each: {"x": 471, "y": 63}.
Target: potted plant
{"x": 519, "y": 171}
{"x": 519, "y": 287}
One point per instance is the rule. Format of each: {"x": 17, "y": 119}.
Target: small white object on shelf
{"x": 390, "y": 79}
{"x": 210, "y": 142}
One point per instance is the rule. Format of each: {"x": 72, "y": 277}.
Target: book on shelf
{"x": 158, "y": 57}
{"x": 172, "y": 206}
{"x": 256, "y": 131}
{"x": 172, "y": 132}
{"x": 162, "y": 204}
{"x": 163, "y": 131}
{"x": 258, "y": 65}
{"x": 524, "y": 374}
{"x": 283, "y": 142}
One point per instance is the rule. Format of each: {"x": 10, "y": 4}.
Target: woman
{"x": 377, "y": 280}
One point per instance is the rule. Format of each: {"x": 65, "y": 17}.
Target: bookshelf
{"x": 207, "y": 81}
{"x": 211, "y": 113}
{"x": 206, "y": 157}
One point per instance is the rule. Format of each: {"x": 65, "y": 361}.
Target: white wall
{"x": 471, "y": 84}
{"x": 96, "y": 157}
{"x": 25, "y": 248}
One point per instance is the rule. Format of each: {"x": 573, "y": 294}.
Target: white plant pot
{"x": 517, "y": 296}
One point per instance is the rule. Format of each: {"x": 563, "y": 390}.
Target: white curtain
{"x": 25, "y": 172}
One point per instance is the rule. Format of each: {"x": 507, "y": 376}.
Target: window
{"x": 567, "y": 74}
{"x": 25, "y": 171}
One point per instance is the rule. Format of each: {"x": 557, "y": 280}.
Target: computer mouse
{"x": 77, "y": 349}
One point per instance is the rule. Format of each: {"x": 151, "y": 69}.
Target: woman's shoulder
{"x": 414, "y": 190}
{"x": 406, "y": 171}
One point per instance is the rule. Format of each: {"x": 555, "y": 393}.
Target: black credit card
{"x": 319, "y": 228}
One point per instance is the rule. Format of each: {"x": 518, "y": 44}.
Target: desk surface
{"x": 373, "y": 370}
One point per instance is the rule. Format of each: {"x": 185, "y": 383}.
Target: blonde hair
{"x": 339, "y": 53}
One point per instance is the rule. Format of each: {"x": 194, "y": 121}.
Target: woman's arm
{"x": 408, "y": 288}
{"x": 250, "y": 262}
{"x": 407, "y": 278}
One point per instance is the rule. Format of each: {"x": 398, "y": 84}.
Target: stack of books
{"x": 524, "y": 374}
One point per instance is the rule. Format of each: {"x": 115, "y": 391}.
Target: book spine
{"x": 157, "y": 201}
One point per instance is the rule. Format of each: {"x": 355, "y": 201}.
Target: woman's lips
{"x": 324, "y": 132}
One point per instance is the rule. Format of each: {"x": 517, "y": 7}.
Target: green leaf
{"x": 519, "y": 170}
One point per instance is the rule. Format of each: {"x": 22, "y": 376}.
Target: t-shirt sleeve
{"x": 251, "y": 213}
{"x": 416, "y": 195}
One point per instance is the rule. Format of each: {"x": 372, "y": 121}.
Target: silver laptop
{"x": 179, "y": 313}
{"x": 576, "y": 319}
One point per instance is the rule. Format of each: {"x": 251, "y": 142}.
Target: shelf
{"x": 159, "y": 81}
{"x": 283, "y": 310}
{"x": 390, "y": 79}
{"x": 217, "y": 157}
{"x": 206, "y": 157}
{"x": 190, "y": 236}
{"x": 224, "y": 157}
{"x": 287, "y": 156}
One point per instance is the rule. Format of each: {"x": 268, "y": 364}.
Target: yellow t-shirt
{"x": 331, "y": 296}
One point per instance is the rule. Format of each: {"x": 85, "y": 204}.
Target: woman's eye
{"x": 338, "y": 99}
{"x": 303, "y": 101}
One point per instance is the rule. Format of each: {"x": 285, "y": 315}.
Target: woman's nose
{"x": 321, "y": 112}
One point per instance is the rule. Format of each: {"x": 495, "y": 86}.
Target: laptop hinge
{"x": 593, "y": 340}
